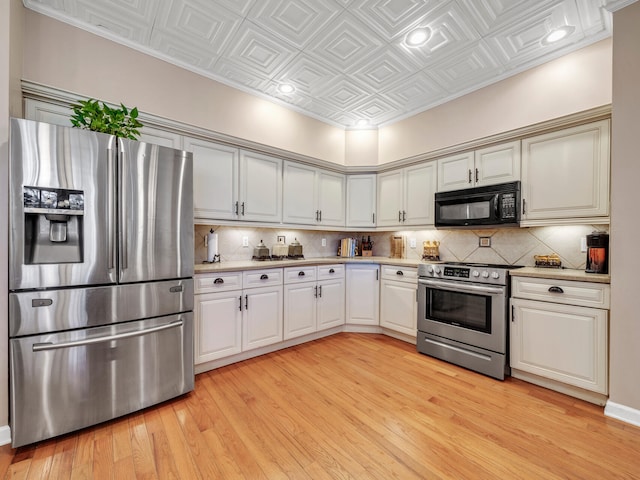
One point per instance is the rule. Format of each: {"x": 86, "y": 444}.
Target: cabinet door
{"x": 262, "y": 317}
{"x": 363, "y": 293}
{"x": 331, "y": 299}
{"x": 398, "y": 306}
{"x": 47, "y": 112}
{"x": 497, "y": 164}
{"x": 455, "y": 172}
{"x": 331, "y": 198}
{"x": 419, "y": 194}
{"x": 299, "y": 194}
{"x": 215, "y": 179}
{"x": 299, "y": 309}
{"x": 389, "y": 198}
{"x": 565, "y": 174}
{"x": 157, "y": 136}
{"x": 260, "y": 188}
{"x": 218, "y": 325}
{"x": 561, "y": 342}
{"x": 361, "y": 201}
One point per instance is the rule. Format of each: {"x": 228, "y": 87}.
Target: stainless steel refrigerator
{"x": 100, "y": 277}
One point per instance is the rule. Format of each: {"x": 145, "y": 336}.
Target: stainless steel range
{"x": 462, "y": 315}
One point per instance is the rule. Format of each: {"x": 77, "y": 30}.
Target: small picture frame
{"x": 484, "y": 242}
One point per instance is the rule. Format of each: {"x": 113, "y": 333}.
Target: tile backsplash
{"x": 515, "y": 246}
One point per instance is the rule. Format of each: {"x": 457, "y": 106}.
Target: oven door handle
{"x": 463, "y": 288}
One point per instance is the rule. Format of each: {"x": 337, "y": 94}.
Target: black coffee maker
{"x": 598, "y": 253}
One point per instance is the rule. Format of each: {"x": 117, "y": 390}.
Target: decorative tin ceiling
{"x": 345, "y": 59}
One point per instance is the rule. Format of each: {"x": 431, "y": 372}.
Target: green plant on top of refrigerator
{"x": 97, "y": 116}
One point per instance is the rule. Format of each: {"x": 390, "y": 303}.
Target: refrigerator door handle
{"x": 111, "y": 204}
{"x": 124, "y": 254}
{"x": 40, "y": 347}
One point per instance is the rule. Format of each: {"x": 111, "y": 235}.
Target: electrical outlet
{"x": 245, "y": 241}
{"x": 583, "y": 244}
{"x": 412, "y": 243}
{"x": 324, "y": 242}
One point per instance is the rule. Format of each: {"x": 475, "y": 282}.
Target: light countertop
{"x": 260, "y": 265}
{"x": 553, "y": 273}
{"x": 561, "y": 274}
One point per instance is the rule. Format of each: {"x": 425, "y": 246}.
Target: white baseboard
{"x": 622, "y": 412}
{"x": 5, "y": 435}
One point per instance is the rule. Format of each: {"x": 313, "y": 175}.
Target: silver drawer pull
{"x": 176, "y": 289}
{"x": 38, "y": 347}
{"x": 218, "y": 281}
{"x": 556, "y": 290}
{"x": 41, "y": 302}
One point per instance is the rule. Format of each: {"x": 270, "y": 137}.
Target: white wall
{"x": 573, "y": 83}
{"x": 10, "y": 105}
{"x": 625, "y": 220}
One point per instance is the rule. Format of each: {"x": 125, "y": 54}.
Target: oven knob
{"x": 476, "y": 273}
{"x": 438, "y": 271}
{"x": 495, "y": 275}
{"x": 430, "y": 269}
{"x": 485, "y": 274}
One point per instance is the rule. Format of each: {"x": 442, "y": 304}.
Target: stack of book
{"x": 348, "y": 247}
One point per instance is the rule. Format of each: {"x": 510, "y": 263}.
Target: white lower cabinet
{"x": 313, "y": 299}
{"x": 231, "y": 319}
{"x": 219, "y": 326}
{"x": 554, "y": 336}
{"x": 363, "y": 293}
{"x": 398, "y": 299}
{"x": 262, "y": 317}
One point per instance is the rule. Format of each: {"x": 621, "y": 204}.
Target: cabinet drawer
{"x": 299, "y": 274}
{"x": 218, "y": 282}
{"x": 262, "y": 278}
{"x": 326, "y": 272}
{"x": 401, "y": 274}
{"x": 561, "y": 291}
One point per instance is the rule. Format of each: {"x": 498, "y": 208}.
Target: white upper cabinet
{"x": 215, "y": 179}
{"x": 486, "y": 166}
{"x": 260, "y": 187}
{"x": 405, "y": 196}
{"x": 565, "y": 175}
{"x": 230, "y": 184}
{"x": 312, "y": 196}
{"x": 47, "y": 112}
{"x": 157, "y": 136}
{"x": 361, "y": 200}
{"x": 455, "y": 172}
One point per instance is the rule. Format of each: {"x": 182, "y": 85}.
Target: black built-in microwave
{"x": 489, "y": 206}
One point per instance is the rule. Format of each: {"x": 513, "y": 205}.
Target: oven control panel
{"x": 476, "y": 273}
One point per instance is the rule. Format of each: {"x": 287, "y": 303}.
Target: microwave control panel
{"x": 507, "y": 205}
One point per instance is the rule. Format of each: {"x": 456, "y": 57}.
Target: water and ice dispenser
{"x": 53, "y": 223}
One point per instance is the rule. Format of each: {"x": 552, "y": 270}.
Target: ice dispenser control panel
{"x": 53, "y": 200}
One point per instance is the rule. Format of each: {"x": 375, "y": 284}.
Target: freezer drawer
{"x": 45, "y": 311}
{"x": 66, "y": 381}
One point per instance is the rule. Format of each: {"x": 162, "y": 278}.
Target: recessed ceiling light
{"x": 286, "y": 88}
{"x": 558, "y": 34}
{"x": 417, "y": 37}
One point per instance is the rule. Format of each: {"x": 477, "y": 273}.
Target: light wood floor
{"x": 350, "y": 406}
